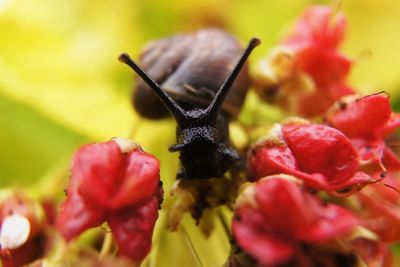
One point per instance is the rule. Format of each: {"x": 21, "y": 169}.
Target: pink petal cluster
{"x": 320, "y": 155}
{"x": 275, "y": 218}
{"x": 315, "y": 40}
{"x": 307, "y": 73}
{"x": 109, "y": 183}
{"x": 367, "y": 121}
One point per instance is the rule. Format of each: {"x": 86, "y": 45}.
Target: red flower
{"x": 315, "y": 40}
{"x": 320, "y": 155}
{"x": 373, "y": 252}
{"x": 308, "y": 69}
{"x": 380, "y": 211}
{"x": 367, "y": 121}
{"x": 115, "y": 182}
{"x": 318, "y": 26}
{"x": 274, "y": 219}
{"x": 22, "y": 238}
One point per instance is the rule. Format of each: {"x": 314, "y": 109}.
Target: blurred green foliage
{"x": 61, "y": 85}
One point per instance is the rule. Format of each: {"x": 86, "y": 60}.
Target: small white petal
{"x": 14, "y": 231}
{"x": 126, "y": 145}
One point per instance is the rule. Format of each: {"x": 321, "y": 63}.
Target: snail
{"x": 191, "y": 68}
{"x": 202, "y": 129}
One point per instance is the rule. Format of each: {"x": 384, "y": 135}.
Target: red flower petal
{"x": 322, "y": 149}
{"x": 274, "y": 194}
{"x": 314, "y": 104}
{"x": 76, "y": 215}
{"x": 351, "y": 185}
{"x": 104, "y": 180}
{"x": 373, "y": 253}
{"x": 390, "y": 160}
{"x": 112, "y": 179}
{"x": 380, "y": 209}
{"x": 97, "y": 171}
{"x": 326, "y": 67}
{"x": 391, "y": 125}
{"x": 272, "y": 158}
{"x": 305, "y": 218}
{"x": 266, "y": 247}
{"x": 268, "y": 160}
{"x": 319, "y": 155}
{"x": 273, "y": 222}
{"x": 370, "y": 149}
{"x": 333, "y": 221}
{"x": 318, "y": 26}
{"x": 133, "y": 228}
{"x": 140, "y": 179}
{"x": 362, "y": 117}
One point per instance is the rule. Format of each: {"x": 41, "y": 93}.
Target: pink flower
{"x": 315, "y": 40}
{"x": 307, "y": 73}
{"x": 379, "y": 209}
{"x": 320, "y": 155}
{"x": 115, "y": 182}
{"x": 367, "y": 121}
{"x": 318, "y": 26}
{"x": 275, "y": 218}
{"x": 373, "y": 252}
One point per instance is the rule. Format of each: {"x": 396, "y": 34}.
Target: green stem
{"x": 190, "y": 243}
{"x": 224, "y": 224}
{"x": 107, "y": 244}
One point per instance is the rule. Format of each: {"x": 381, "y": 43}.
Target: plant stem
{"x": 189, "y": 241}
{"x": 224, "y": 224}
{"x": 107, "y": 244}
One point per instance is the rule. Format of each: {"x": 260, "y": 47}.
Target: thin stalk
{"x": 107, "y": 244}
{"x": 190, "y": 243}
{"x": 225, "y": 225}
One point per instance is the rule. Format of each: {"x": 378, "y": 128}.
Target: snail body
{"x": 202, "y": 121}
{"x": 191, "y": 68}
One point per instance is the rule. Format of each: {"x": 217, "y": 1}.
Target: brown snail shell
{"x": 191, "y": 68}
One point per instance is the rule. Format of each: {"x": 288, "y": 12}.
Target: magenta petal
{"x": 390, "y": 160}
{"x": 264, "y": 246}
{"x": 391, "y": 125}
{"x": 96, "y": 169}
{"x": 315, "y": 27}
{"x": 140, "y": 180}
{"x": 133, "y": 228}
{"x": 76, "y": 215}
{"x": 358, "y": 180}
{"x": 279, "y": 159}
{"x": 334, "y": 221}
{"x": 352, "y": 121}
{"x": 275, "y": 194}
{"x": 322, "y": 149}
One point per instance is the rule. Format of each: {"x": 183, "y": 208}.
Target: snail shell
{"x": 191, "y": 68}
